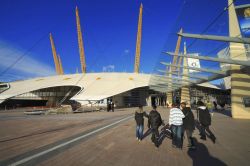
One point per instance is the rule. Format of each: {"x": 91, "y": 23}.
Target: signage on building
{"x": 193, "y": 63}
{"x": 243, "y": 13}
{"x": 246, "y": 101}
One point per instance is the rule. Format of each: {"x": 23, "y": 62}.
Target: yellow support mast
{"x": 54, "y": 54}
{"x": 170, "y": 84}
{"x": 185, "y": 93}
{"x": 176, "y": 52}
{"x": 239, "y": 79}
{"x": 60, "y": 65}
{"x": 80, "y": 42}
{"x": 138, "y": 42}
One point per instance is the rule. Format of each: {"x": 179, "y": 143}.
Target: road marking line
{"x": 24, "y": 160}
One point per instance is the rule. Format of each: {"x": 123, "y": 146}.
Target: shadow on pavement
{"x": 198, "y": 125}
{"x": 210, "y": 135}
{"x": 147, "y": 133}
{"x": 165, "y": 133}
{"x": 201, "y": 156}
{"x": 224, "y": 112}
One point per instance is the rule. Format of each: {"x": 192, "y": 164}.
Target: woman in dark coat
{"x": 139, "y": 118}
{"x": 188, "y": 124}
{"x": 205, "y": 121}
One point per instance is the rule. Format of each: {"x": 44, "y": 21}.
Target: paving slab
{"x": 117, "y": 145}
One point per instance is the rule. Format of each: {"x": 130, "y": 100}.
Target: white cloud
{"x": 109, "y": 68}
{"x": 27, "y": 66}
{"x": 126, "y": 51}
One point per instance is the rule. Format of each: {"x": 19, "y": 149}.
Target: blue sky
{"x": 109, "y": 32}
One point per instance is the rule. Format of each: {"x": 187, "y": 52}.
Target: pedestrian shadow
{"x": 210, "y": 135}
{"x": 198, "y": 125}
{"x": 201, "y": 156}
{"x": 147, "y": 133}
{"x": 224, "y": 112}
{"x": 165, "y": 133}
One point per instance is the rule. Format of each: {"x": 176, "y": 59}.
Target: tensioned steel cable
{"x": 229, "y": 48}
{"x": 211, "y": 23}
{"x": 23, "y": 55}
{"x": 97, "y": 58}
{"x": 102, "y": 50}
{"x": 27, "y": 51}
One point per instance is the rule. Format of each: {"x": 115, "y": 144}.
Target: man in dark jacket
{"x": 205, "y": 121}
{"x": 188, "y": 124}
{"x": 155, "y": 122}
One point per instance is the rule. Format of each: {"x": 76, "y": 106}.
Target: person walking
{"x": 139, "y": 118}
{"x": 175, "y": 122}
{"x": 215, "y": 105}
{"x": 209, "y": 106}
{"x": 155, "y": 121}
{"x": 113, "y": 106}
{"x": 188, "y": 124}
{"x": 108, "y": 105}
{"x": 205, "y": 121}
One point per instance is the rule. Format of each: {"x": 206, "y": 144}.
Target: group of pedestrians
{"x": 154, "y": 122}
{"x": 110, "y": 106}
{"x": 181, "y": 121}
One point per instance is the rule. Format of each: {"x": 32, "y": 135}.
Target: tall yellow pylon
{"x": 178, "y": 44}
{"x": 185, "y": 93}
{"x": 54, "y": 54}
{"x": 240, "y": 81}
{"x": 169, "y": 93}
{"x": 138, "y": 42}
{"x": 172, "y": 68}
{"x": 60, "y": 65}
{"x": 80, "y": 42}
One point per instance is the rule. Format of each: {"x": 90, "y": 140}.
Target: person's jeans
{"x": 177, "y": 135}
{"x": 155, "y": 136}
{"x": 189, "y": 134}
{"x": 139, "y": 131}
{"x": 203, "y": 131}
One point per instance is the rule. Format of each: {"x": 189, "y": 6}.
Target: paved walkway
{"x": 103, "y": 138}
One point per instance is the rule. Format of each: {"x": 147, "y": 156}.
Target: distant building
{"x": 124, "y": 89}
